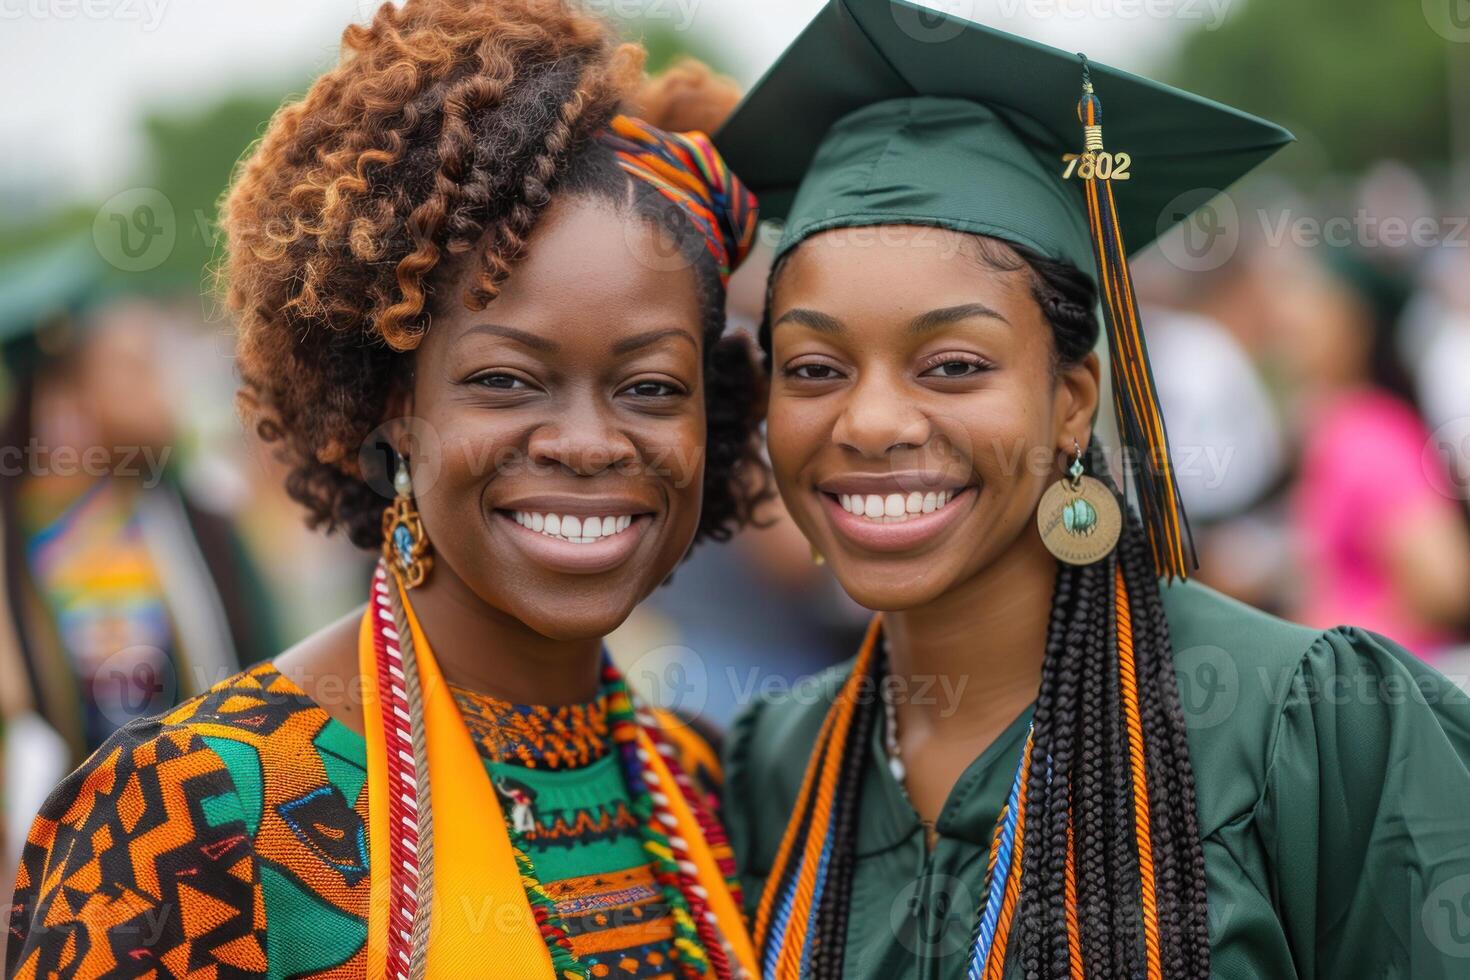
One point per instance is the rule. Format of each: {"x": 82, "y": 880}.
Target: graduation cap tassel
{"x": 1140, "y": 423}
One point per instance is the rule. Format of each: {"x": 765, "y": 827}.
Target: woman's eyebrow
{"x": 650, "y": 337}
{"x": 820, "y": 322}
{"x": 934, "y": 319}
{"x": 524, "y": 337}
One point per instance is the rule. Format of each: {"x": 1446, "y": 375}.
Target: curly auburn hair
{"x": 438, "y": 139}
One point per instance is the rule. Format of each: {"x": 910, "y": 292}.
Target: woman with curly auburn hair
{"x": 465, "y": 281}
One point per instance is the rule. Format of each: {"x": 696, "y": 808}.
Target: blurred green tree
{"x": 190, "y": 158}
{"x": 1357, "y": 80}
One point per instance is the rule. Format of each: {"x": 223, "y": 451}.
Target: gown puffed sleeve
{"x": 1365, "y": 813}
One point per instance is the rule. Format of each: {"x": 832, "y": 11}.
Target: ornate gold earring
{"x": 405, "y": 544}
{"x": 1079, "y": 518}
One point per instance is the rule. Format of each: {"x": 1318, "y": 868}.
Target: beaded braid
{"x": 709, "y": 824}
{"x": 693, "y": 938}
{"x": 543, "y": 909}
{"x": 707, "y": 926}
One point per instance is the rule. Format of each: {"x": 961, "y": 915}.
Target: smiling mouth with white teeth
{"x": 577, "y": 529}
{"x": 894, "y": 508}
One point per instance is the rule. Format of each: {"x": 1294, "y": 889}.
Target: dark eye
{"x": 499, "y": 381}
{"x": 954, "y": 368}
{"x": 815, "y": 372}
{"x": 652, "y": 389}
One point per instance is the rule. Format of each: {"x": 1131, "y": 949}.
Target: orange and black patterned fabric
{"x": 228, "y": 839}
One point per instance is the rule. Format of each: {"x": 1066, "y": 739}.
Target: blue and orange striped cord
{"x": 791, "y": 897}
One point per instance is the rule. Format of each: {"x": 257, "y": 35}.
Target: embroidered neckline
{"x": 536, "y": 736}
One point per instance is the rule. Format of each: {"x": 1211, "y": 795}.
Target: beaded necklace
{"x": 697, "y": 940}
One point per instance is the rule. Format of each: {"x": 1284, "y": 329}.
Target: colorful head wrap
{"x": 688, "y": 170}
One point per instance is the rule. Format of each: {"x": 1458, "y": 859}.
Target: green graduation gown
{"x": 1333, "y": 774}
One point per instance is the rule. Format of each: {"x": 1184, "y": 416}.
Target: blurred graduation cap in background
{"x": 45, "y": 292}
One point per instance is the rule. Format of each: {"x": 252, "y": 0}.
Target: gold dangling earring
{"x": 817, "y": 557}
{"x": 1078, "y": 517}
{"x": 405, "y": 544}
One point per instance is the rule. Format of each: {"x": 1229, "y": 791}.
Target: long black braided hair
{"x": 1079, "y": 737}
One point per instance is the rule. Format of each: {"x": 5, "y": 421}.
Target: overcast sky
{"x": 77, "y": 74}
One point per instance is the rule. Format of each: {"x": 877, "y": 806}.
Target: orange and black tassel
{"x": 1140, "y": 423}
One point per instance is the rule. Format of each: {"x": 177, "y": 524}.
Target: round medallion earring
{"x": 1079, "y": 518}
{"x": 405, "y": 544}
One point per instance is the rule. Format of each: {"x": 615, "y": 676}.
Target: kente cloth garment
{"x": 229, "y": 839}
{"x": 1333, "y": 775}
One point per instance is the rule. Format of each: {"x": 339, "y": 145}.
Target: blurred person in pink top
{"x": 1380, "y": 543}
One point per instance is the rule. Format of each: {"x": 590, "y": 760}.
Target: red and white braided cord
{"x": 403, "y": 831}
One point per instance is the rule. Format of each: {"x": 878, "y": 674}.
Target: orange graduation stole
{"x": 448, "y": 895}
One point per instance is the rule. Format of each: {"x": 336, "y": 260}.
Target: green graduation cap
{"x": 44, "y": 286}
{"x": 884, "y": 112}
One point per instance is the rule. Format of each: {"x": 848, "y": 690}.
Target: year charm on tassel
{"x": 1100, "y": 164}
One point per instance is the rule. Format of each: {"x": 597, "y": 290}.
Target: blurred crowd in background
{"x": 1312, "y": 327}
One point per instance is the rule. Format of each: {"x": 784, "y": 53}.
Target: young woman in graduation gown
{"x": 1053, "y": 757}
{"x": 455, "y": 245}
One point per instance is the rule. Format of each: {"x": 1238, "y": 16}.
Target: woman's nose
{"x": 584, "y": 439}
{"x": 875, "y": 421}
